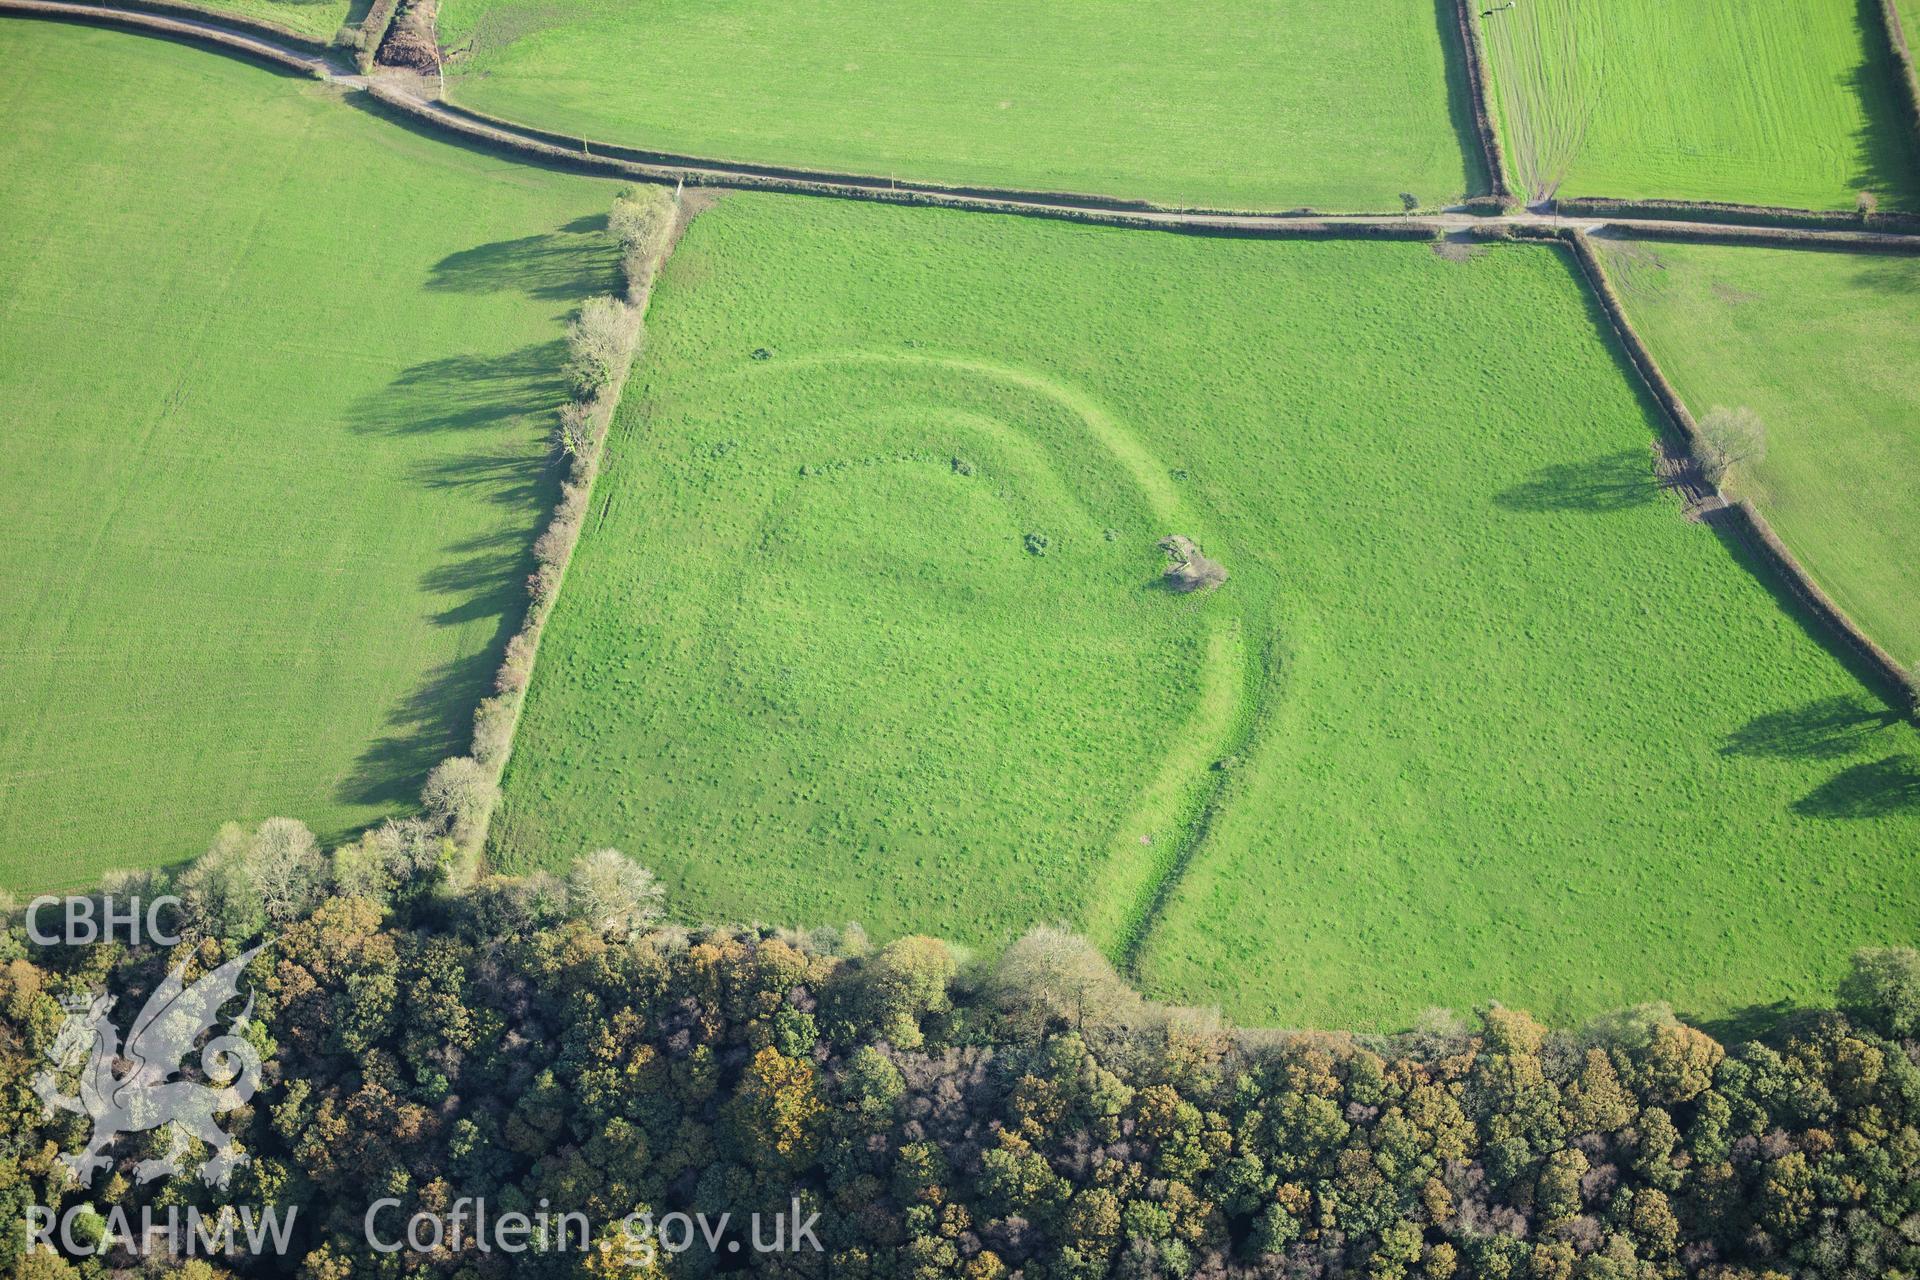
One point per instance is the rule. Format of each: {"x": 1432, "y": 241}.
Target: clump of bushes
{"x": 1191, "y": 569}
{"x": 1037, "y": 544}
{"x": 599, "y": 344}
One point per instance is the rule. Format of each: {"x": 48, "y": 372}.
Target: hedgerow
{"x": 601, "y": 343}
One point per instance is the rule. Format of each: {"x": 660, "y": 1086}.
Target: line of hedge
{"x": 1909, "y": 77}
{"x": 831, "y": 179}
{"x": 1479, "y": 85}
{"x": 1757, "y": 215}
{"x": 647, "y": 222}
{"x": 1773, "y": 237}
{"x": 131, "y": 20}
{"x": 1747, "y": 521}
{"x": 508, "y": 139}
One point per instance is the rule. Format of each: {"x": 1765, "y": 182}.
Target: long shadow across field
{"x": 463, "y": 391}
{"x": 479, "y": 578}
{"x": 568, "y": 265}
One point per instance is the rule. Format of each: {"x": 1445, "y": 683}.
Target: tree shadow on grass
{"x": 1770, "y": 1022}
{"x": 425, "y": 727}
{"x": 465, "y": 391}
{"x": 484, "y": 578}
{"x": 1615, "y": 482}
{"x": 1887, "y": 274}
{"x": 571, "y": 264}
{"x": 1880, "y": 789}
{"x": 509, "y": 477}
{"x": 1824, "y": 729}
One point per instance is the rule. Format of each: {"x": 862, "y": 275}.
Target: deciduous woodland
{"x": 547, "y": 1042}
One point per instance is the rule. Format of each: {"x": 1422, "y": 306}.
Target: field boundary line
{"x": 519, "y": 141}
{"x": 1480, "y": 86}
{"x": 1716, "y": 212}
{"x": 643, "y": 273}
{"x": 1744, "y": 518}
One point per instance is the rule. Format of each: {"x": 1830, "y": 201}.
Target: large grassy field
{"x": 1825, "y": 347}
{"x": 1221, "y": 103}
{"x": 1497, "y": 721}
{"x": 1703, "y": 100}
{"x": 274, "y": 381}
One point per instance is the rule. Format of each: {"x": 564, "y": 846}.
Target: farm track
{"x": 530, "y": 145}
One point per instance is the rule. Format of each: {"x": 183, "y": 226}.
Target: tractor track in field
{"x": 539, "y": 146}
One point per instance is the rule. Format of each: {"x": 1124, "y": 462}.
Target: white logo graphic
{"x": 146, "y": 1094}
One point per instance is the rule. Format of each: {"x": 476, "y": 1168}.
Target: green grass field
{"x": 1503, "y": 723}
{"x": 1223, "y": 104}
{"x": 1825, "y": 348}
{"x": 319, "y": 18}
{"x": 274, "y": 378}
{"x": 1706, "y": 100}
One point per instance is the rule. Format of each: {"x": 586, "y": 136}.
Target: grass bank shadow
{"x": 1614, "y": 482}
{"x": 1460, "y": 100}
{"x": 1886, "y": 152}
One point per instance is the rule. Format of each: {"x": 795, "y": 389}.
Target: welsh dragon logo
{"x": 135, "y": 1088}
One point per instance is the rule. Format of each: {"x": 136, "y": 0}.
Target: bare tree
{"x": 1730, "y": 440}
{"x": 613, "y": 893}
{"x": 289, "y": 871}
{"x": 460, "y": 795}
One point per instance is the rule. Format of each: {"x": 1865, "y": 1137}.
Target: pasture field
{"x": 1825, "y": 348}
{"x": 1491, "y": 718}
{"x": 275, "y": 379}
{"x": 1707, "y": 100}
{"x": 1341, "y": 107}
{"x": 319, "y": 18}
